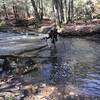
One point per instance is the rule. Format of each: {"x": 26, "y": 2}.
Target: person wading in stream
{"x": 53, "y": 35}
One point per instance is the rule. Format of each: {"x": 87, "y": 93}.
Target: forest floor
{"x": 78, "y": 28}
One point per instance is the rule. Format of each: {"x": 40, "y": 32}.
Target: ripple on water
{"x": 90, "y": 85}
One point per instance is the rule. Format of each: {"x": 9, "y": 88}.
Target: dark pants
{"x": 54, "y": 39}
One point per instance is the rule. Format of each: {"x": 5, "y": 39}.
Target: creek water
{"x": 73, "y": 62}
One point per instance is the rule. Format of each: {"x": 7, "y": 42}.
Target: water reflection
{"x": 79, "y": 65}
{"x": 59, "y": 72}
{"x": 73, "y": 63}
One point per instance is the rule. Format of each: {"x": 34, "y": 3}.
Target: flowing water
{"x": 73, "y": 62}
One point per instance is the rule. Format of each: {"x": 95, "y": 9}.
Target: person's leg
{"x": 56, "y": 38}
{"x": 53, "y": 40}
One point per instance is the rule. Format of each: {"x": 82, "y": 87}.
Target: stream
{"x": 72, "y": 62}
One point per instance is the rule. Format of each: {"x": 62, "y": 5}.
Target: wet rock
{"x": 43, "y": 93}
{"x": 13, "y": 64}
{"x": 31, "y": 89}
{"x": 36, "y": 69}
{"x": 47, "y": 93}
{"x": 8, "y": 95}
{"x": 30, "y": 98}
{"x": 25, "y": 92}
{"x": 70, "y": 90}
{"x": 43, "y": 85}
{"x": 18, "y": 98}
{"x": 29, "y": 62}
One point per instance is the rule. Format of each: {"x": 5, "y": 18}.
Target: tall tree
{"x": 69, "y": 11}
{"x": 61, "y": 11}
{"x": 15, "y": 11}
{"x": 35, "y": 11}
{"x": 56, "y": 11}
{"x": 5, "y": 9}
{"x": 66, "y": 9}
{"x": 41, "y": 9}
{"x": 72, "y": 10}
{"x": 27, "y": 8}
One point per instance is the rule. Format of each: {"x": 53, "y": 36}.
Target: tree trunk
{"x": 15, "y": 12}
{"x": 72, "y": 10}
{"x": 66, "y": 9}
{"x": 41, "y": 9}
{"x": 36, "y": 11}
{"x": 61, "y": 10}
{"x": 69, "y": 11}
{"x": 57, "y": 17}
{"x": 27, "y": 10}
{"x": 5, "y": 10}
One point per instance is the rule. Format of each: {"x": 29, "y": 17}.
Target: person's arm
{"x": 59, "y": 33}
{"x": 49, "y": 33}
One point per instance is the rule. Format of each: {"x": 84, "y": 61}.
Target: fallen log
{"x": 79, "y": 33}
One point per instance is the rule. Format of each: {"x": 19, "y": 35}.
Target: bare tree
{"x": 35, "y": 11}
{"x": 27, "y": 9}
{"x": 5, "y": 10}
